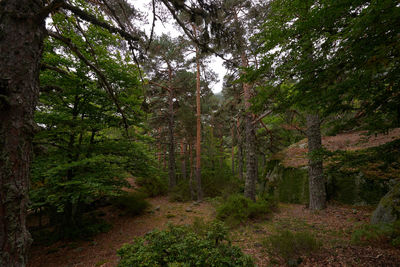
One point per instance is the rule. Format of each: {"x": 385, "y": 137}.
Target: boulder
{"x": 388, "y": 209}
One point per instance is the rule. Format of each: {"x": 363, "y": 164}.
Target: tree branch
{"x": 99, "y": 73}
{"x": 92, "y": 19}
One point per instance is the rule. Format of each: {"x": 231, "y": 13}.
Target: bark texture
{"x": 21, "y": 43}
{"x": 171, "y": 145}
{"x": 315, "y": 169}
{"x": 198, "y": 123}
{"x": 251, "y": 162}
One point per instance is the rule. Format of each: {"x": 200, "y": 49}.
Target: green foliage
{"x": 88, "y": 226}
{"x": 290, "y": 246}
{"x": 180, "y": 246}
{"x": 181, "y": 192}
{"x": 153, "y": 185}
{"x": 132, "y": 203}
{"x": 237, "y": 209}
{"x": 377, "y": 233}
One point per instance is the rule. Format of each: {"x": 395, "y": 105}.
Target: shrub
{"x": 180, "y": 246}
{"x": 290, "y": 246}
{"x": 133, "y": 203}
{"x": 152, "y": 186}
{"x": 377, "y": 233}
{"x": 181, "y": 192}
{"x": 87, "y": 227}
{"x": 237, "y": 209}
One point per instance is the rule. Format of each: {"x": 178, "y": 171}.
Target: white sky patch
{"x": 216, "y": 63}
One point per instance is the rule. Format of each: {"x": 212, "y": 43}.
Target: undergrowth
{"x": 237, "y": 209}
{"x": 291, "y": 246}
{"x": 384, "y": 233}
{"x": 132, "y": 203}
{"x": 182, "y": 246}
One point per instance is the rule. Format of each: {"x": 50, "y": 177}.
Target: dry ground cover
{"x": 332, "y": 227}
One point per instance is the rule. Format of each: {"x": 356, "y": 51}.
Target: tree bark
{"x": 192, "y": 192}
{"x": 233, "y": 150}
{"x": 183, "y": 159}
{"x": 21, "y": 44}
{"x": 315, "y": 169}
{"x": 240, "y": 152}
{"x": 171, "y": 147}
{"x": 250, "y": 182}
{"x": 198, "y": 117}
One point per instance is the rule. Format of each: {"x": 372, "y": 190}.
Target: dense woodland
{"x": 110, "y": 133}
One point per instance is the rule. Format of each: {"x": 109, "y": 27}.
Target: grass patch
{"x": 291, "y": 246}
{"x": 384, "y": 233}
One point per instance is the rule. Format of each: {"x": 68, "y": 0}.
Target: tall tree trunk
{"x": 198, "y": 117}
{"x": 233, "y": 150}
{"x": 159, "y": 146}
{"x": 250, "y": 182}
{"x": 183, "y": 159}
{"x": 21, "y": 45}
{"x": 171, "y": 147}
{"x": 192, "y": 192}
{"x": 240, "y": 151}
{"x": 315, "y": 169}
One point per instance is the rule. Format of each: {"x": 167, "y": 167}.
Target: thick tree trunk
{"x": 198, "y": 118}
{"x": 250, "y": 182}
{"x": 315, "y": 170}
{"x": 21, "y": 44}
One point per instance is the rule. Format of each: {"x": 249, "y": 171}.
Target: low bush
{"x": 181, "y": 246}
{"x": 152, "y": 186}
{"x": 377, "y": 233}
{"x": 181, "y": 192}
{"x": 133, "y": 203}
{"x": 237, "y": 209}
{"x": 87, "y": 227}
{"x": 290, "y": 246}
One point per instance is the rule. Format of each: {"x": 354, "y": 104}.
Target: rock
{"x": 196, "y": 203}
{"x": 188, "y": 209}
{"x": 157, "y": 208}
{"x": 388, "y": 209}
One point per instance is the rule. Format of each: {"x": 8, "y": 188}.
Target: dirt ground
{"x": 332, "y": 226}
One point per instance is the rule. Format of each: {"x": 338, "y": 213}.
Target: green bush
{"x": 377, "y": 233}
{"x": 152, "y": 185}
{"x": 237, "y": 209}
{"x": 290, "y": 246}
{"x": 181, "y": 192}
{"x": 180, "y": 246}
{"x": 132, "y": 204}
{"x": 87, "y": 227}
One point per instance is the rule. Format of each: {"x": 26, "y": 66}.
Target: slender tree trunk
{"x": 198, "y": 117}
{"x": 159, "y": 146}
{"x": 183, "y": 159}
{"x": 240, "y": 152}
{"x": 250, "y": 182}
{"x": 171, "y": 147}
{"x": 192, "y": 192}
{"x": 21, "y": 44}
{"x": 315, "y": 169}
{"x": 233, "y": 150}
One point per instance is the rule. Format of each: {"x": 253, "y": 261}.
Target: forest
{"x": 199, "y": 133}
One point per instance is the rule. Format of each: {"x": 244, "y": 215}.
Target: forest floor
{"x": 333, "y": 227}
